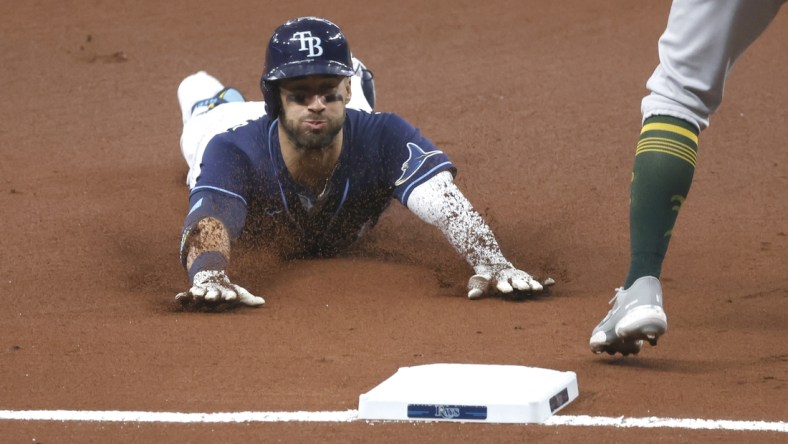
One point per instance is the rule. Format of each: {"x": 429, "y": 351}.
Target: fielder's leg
{"x": 702, "y": 41}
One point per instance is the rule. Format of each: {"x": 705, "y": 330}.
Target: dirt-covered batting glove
{"x": 213, "y": 287}
{"x": 504, "y": 278}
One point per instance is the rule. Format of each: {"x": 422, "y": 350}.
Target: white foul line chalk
{"x": 352, "y": 415}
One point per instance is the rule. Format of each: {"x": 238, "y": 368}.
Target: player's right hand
{"x": 213, "y": 288}
{"x": 505, "y": 279}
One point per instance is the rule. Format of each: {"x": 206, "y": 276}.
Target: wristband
{"x": 210, "y": 260}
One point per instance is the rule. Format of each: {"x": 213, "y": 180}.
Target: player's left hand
{"x": 505, "y": 279}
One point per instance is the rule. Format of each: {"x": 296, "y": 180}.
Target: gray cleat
{"x": 637, "y": 315}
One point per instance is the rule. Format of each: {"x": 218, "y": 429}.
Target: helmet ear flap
{"x": 273, "y": 103}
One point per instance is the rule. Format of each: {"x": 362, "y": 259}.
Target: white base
{"x": 470, "y": 392}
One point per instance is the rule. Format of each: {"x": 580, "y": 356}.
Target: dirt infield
{"x": 537, "y": 103}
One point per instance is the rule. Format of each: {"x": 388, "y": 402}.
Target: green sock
{"x": 662, "y": 175}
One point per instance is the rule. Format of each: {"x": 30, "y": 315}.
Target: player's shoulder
{"x": 374, "y": 116}
{"x": 248, "y": 128}
{"x": 377, "y": 122}
{"x": 245, "y": 138}
{"x": 250, "y": 131}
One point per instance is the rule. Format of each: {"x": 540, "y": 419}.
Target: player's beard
{"x": 304, "y": 139}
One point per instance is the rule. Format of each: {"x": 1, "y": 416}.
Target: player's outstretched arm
{"x": 207, "y": 249}
{"x": 439, "y": 202}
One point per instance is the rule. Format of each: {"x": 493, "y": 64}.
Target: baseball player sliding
{"x": 702, "y": 41}
{"x": 313, "y": 164}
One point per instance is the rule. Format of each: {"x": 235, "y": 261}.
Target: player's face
{"x": 313, "y": 109}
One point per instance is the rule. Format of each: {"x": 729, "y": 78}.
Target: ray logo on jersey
{"x": 416, "y": 158}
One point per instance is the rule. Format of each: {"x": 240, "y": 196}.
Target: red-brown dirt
{"x": 537, "y": 103}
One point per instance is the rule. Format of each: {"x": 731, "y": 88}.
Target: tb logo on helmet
{"x": 309, "y": 43}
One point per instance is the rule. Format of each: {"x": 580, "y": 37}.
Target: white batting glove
{"x": 213, "y": 287}
{"x": 504, "y": 278}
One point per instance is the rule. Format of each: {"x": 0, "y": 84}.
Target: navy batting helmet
{"x": 302, "y": 47}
